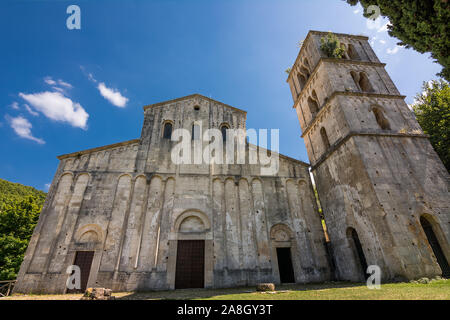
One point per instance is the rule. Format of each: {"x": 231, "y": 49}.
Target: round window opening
{"x": 196, "y": 108}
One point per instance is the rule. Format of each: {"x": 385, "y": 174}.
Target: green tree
{"x": 419, "y": 24}
{"x": 12, "y": 251}
{"x": 432, "y": 109}
{"x": 19, "y": 212}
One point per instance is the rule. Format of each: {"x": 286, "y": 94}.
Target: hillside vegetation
{"x": 19, "y": 212}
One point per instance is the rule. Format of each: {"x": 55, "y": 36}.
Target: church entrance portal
{"x": 360, "y": 257}
{"x": 285, "y": 265}
{"x": 190, "y": 267}
{"x": 436, "y": 247}
{"x": 83, "y": 259}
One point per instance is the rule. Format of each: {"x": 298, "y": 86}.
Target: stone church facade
{"x": 132, "y": 219}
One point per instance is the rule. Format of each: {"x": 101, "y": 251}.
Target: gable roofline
{"x": 303, "y": 163}
{"x": 192, "y": 96}
{"x": 87, "y": 151}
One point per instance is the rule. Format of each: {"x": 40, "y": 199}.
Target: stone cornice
{"x": 109, "y": 146}
{"x": 327, "y": 104}
{"x": 343, "y": 61}
{"x": 376, "y": 133}
{"x": 192, "y": 96}
{"x": 324, "y": 34}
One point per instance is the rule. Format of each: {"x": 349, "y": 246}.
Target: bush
{"x": 331, "y": 46}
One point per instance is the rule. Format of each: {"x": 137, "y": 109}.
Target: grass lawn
{"x": 326, "y": 291}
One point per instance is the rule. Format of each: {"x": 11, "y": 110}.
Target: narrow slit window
{"x": 224, "y": 129}
{"x": 167, "y": 134}
{"x": 325, "y": 140}
{"x": 195, "y": 132}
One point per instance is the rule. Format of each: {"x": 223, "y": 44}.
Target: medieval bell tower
{"x": 383, "y": 189}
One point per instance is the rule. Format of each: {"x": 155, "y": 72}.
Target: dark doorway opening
{"x": 360, "y": 257}
{"x": 190, "y": 267}
{"x": 285, "y": 265}
{"x": 435, "y": 246}
{"x": 83, "y": 259}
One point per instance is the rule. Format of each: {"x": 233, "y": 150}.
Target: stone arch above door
{"x": 280, "y": 232}
{"x": 89, "y": 233}
{"x": 192, "y": 221}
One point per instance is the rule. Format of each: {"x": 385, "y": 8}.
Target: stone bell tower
{"x": 383, "y": 189}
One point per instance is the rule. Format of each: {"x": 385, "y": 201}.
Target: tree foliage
{"x": 432, "y": 109}
{"x": 331, "y": 46}
{"x": 19, "y": 211}
{"x": 419, "y": 24}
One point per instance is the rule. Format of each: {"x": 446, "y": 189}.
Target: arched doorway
{"x": 435, "y": 246}
{"x": 190, "y": 260}
{"x": 86, "y": 254}
{"x": 360, "y": 258}
{"x": 281, "y": 236}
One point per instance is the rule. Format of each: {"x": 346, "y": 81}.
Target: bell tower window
{"x": 381, "y": 119}
{"x": 323, "y": 134}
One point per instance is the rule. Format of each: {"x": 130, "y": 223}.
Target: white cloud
{"x": 22, "y": 127}
{"x": 113, "y": 96}
{"x": 59, "y": 89}
{"x": 64, "y": 84}
{"x": 393, "y": 50}
{"x": 91, "y": 77}
{"x": 50, "y": 81}
{"x": 383, "y": 41}
{"x": 383, "y": 27}
{"x": 30, "y": 111}
{"x": 15, "y": 105}
{"x": 56, "y": 106}
{"x": 356, "y": 11}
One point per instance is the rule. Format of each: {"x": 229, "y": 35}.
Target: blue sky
{"x": 66, "y": 90}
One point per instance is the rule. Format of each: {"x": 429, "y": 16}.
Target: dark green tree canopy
{"x": 419, "y": 24}
{"x": 432, "y": 110}
{"x": 19, "y": 212}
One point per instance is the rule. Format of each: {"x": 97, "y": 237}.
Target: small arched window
{"x": 313, "y": 106}
{"x": 352, "y": 53}
{"x": 306, "y": 63}
{"x": 223, "y": 130}
{"x": 167, "y": 132}
{"x": 314, "y": 96}
{"x": 301, "y": 80}
{"x": 355, "y": 77}
{"x": 364, "y": 83}
{"x": 361, "y": 81}
{"x": 323, "y": 134}
{"x": 381, "y": 119}
{"x": 305, "y": 72}
{"x": 195, "y": 132}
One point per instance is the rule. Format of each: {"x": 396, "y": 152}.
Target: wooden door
{"x": 83, "y": 259}
{"x": 190, "y": 267}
